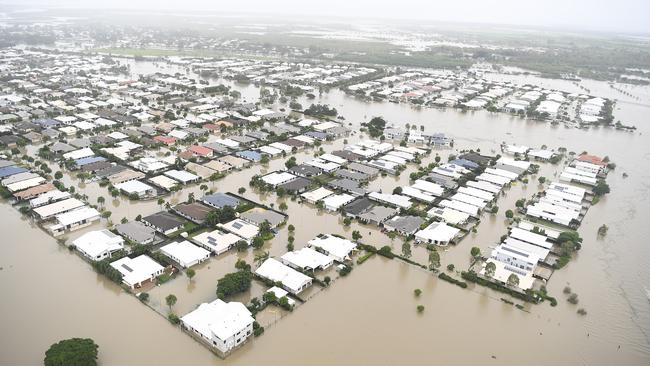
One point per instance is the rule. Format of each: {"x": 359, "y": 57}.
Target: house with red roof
{"x": 167, "y": 140}
{"x": 201, "y": 151}
{"x": 593, "y": 159}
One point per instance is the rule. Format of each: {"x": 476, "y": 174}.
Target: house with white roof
{"x": 79, "y": 154}
{"x": 182, "y": 176}
{"x": 74, "y": 220}
{"x": 138, "y": 271}
{"x": 223, "y": 326}
{"x": 277, "y": 178}
{"x": 391, "y": 199}
{"x": 316, "y": 195}
{"x": 241, "y": 228}
{"x": 135, "y": 187}
{"x": 449, "y": 215}
{"x": 335, "y": 201}
{"x": 437, "y": 233}
{"x": 185, "y": 253}
{"x": 98, "y": 245}
{"x": 338, "y": 248}
{"x": 216, "y": 241}
{"x": 292, "y": 280}
{"x": 48, "y": 211}
{"x": 307, "y": 259}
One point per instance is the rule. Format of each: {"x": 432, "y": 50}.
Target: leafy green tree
{"x": 241, "y": 245}
{"x": 601, "y": 188}
{"x": 72, "y": 352}
{"x": 283, "y": 206}
{"x": 290, "y": 163}
{"x": 356, "y": 235}
{"x": 513, "y": 280}
{"x": 417, "y": 292}
{"x": 234, "y": 283}
{"x": 510, "y": 214}
{"x": 291, "y": 228}
{"x": 406, "y": 250}
{"x": 490, "y": 268}
{"x": 475, "y": 252}
{"x": 258, "y": 242}
{"x": 434, "y": 259}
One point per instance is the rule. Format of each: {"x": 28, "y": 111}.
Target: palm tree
{"x": 170, "y": 300}
{"x": 161, "y": 202}
{"x": 101, "y": 200}
{"x": 190, "y": 273}
{"x": 261, "y": 257}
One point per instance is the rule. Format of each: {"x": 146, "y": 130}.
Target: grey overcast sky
{"x": 604, "y": 15}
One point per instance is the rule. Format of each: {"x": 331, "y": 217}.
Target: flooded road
{"x": 368, "y": 317}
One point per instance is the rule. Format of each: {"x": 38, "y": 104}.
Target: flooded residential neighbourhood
{"x": 268, "y": 205}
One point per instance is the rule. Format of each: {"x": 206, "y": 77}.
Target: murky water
{"x": 368, "y": 317}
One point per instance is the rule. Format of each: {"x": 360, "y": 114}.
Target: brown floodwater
{"x": 370, "y": 316}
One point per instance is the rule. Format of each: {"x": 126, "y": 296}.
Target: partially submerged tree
{"x": 72, "y": 352}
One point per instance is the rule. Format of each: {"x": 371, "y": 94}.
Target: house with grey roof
{"x": 348, "y": 185}
{"x": 405, "y": 225}
{"x": 377, "y": 215}
{"x": 258, "y": 215}
{"x": 137, "y": 232}
{"x": 220, "y": 200}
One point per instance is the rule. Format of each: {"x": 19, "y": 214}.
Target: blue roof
{"x": 89, "y": 160}
{"x": 249, "y": 155}
{"x": 47, "y": 122}
{"x": 316, "y": 135}
{"x": 11, "y": 170}
{"x": 221, "y": 200}
{"x": 465, "y": 163}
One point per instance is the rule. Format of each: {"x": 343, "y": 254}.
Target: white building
{"x": 185, "y": 253}
{"x": 316, "y": 195}
{"x": 338, "y": 248}
{"x": 217, "y": 241}
{"x": 292, "y": 280}
{"x": 224, "y": 326}
{"x": 307, "y": 259}
{"x": 138, "y": 271}
{"x": 74, "y": 220}
{"x": 241, "y": 228}
{"x": 335, "y": 201}
{"x": 276, "y": 178}
{"x": 135, "y": 187}
{"x": 437, "y": 233}
{"x": 98, "y": 245}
